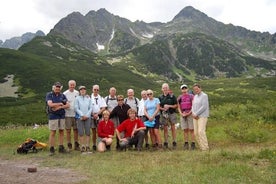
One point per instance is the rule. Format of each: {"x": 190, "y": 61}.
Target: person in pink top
{"x": 105, "y": 132}
{"x": 184, "y": 107}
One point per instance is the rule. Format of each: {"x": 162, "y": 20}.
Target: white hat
{"x": 183, "y": 86}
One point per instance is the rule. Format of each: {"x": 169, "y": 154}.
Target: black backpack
{"x": 47, "y": 108}
{"x": 28, "y": 145}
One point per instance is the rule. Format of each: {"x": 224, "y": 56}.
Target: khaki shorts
{"x": 171, "y": 120}
{"x": 56, "y": 124}
{"x": 94, "y": 123}
{"x": 70, "y": 122}
{"x": 187, "y": 122}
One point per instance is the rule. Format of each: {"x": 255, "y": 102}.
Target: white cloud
{"x": 18, "y": 17}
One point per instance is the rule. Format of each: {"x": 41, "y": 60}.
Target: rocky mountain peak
{"x": 190, "y": 12}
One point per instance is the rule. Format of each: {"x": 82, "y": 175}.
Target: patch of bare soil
{"x": 7, "y": 89}
{"x": 17, "y": 172}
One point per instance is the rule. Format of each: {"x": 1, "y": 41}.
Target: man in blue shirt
{"x": 57, "y": 102}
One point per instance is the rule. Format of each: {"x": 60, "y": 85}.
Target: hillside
{"x": 102, "y": 31}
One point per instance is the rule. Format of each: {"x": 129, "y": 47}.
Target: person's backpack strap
{"x": 107, "y": 99}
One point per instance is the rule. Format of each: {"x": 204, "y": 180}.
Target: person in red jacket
{"x": 105, "y": 132}
{"x": 134, "y": 131}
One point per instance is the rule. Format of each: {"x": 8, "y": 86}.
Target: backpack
{"x": 48, "y": 109}
{"x": 136, "y": 102}
{"x": 181, "y": 99}
{"x": 30, "y": 145}
{"x": 25, "y": 147}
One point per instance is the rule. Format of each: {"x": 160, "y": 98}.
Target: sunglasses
{"x": 96, "y": 89}
{"x": 149, "y": 94}
{"x": 184, "y": 88}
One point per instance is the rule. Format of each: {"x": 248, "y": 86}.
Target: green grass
{"x": 241, "y": 134}
{"x": 228, "y": 161}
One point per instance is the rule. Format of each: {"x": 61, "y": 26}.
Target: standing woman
{"x": 200, "y": 113}
{"x": 83, "y": 108}
{"x": 151, "y": 110}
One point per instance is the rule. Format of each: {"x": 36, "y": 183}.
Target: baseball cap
{"x": 57, "y": 84}
{"x": 183, "y": 86}
{"x": 82, "y": 87}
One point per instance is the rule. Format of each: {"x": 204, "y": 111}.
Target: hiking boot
{"x": 147, "y": 146}
{"x": 94, "y": 148}
{"x": 166, "y": 145}
{"x": 52, "y": 151}
{"x": 108, "y": 148}
{"x": 83, "y": 149}
{"x": 69, "y": 146}
{"x": 61, "y": 149}
{"x": 87, "y": 149}
{"x": 186, "y": 146}
{"x": 174, "y": 144}
{"x": 77, "y": 146}
{"x": 193, "y": 147}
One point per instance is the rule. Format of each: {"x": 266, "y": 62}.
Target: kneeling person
{"x": 133, "y": 129}
{"x": 105, "y": 132}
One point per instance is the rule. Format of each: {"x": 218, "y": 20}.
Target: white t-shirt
{"x": 98, "y": 102}
{"x": 71, "y": 96}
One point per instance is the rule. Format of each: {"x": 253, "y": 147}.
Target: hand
{"x": 123, "y": 139}
{"x": 184, "y": 114}
{"x": 166, "y": 107}
{"x": 151, "y": 118}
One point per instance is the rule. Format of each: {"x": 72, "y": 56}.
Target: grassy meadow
{"x": 241, "y": 132}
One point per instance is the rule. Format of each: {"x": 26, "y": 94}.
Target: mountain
{"x": 101, "y": 30}
{"x": 16, "y": 42}
{"x": 131, "y": 52}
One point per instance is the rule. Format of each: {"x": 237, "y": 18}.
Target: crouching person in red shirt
{"x": 105, "y": 132}
{"x": 134, "y": 131}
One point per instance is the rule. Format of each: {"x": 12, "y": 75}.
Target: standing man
{"x": 57, "y": 102}
{"x": 200, "y": 113}
{"x": 168, "y": 105}
{"x": 99, "y": 106}
{"x": 185, "y": 110}
{"x": 111, "y": 103}
{"x": 131, "y": 100}
{"x": 141, "y": 114}
{"x": 70, "y": 120}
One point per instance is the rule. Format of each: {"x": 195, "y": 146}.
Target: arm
{"x": 119, "y": 136}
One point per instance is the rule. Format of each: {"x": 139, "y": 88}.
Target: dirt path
{"x": 12, "y": 172}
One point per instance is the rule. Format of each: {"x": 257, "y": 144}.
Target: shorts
{"x": 171, "y": 120}
{"x": 94, "y": 123}
{"x": 187, "y": 122}
{"x": 70, "y": 122}
{"x": 83, "y": 127}
{"x": 56, "y": 124}
{"x": 157, "y": 122}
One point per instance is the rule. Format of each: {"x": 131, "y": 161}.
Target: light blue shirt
{"x": 83, "y": 106}
{"x": 151, "y": 105}
{"x": 200, "y": 106}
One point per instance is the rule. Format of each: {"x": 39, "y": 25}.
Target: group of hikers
{"x": 127, "y": 120}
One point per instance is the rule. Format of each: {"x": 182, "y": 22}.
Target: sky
{"x": 20, "y": 16}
